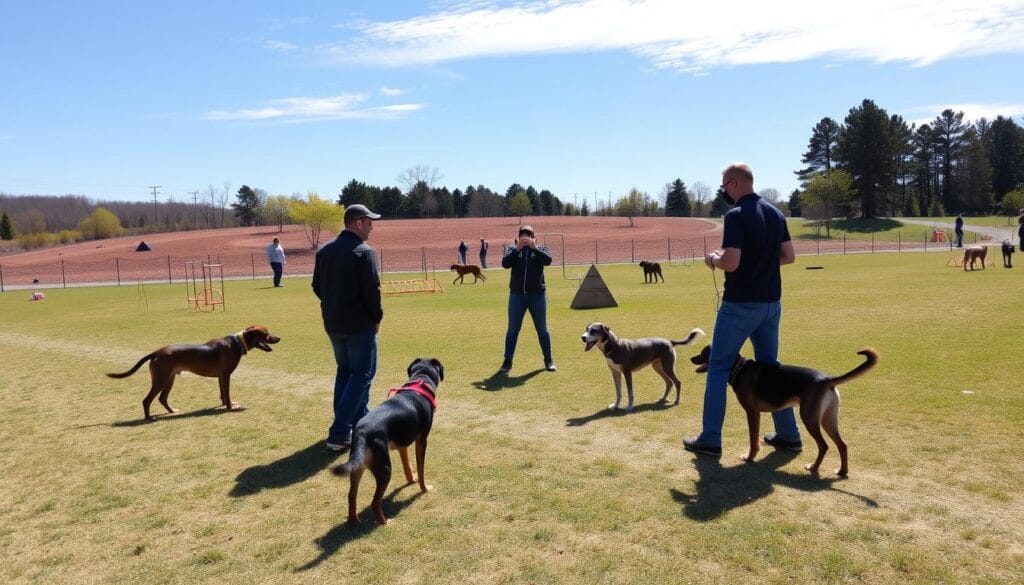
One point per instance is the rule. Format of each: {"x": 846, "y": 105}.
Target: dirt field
{"x": 402, "y": 245}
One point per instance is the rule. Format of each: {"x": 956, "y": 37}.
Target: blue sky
{"x": 104, "y": 99}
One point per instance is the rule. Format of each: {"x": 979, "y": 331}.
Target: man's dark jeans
{"x": 356, "y": 356}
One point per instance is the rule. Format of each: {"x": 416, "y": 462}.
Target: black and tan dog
{"x": 216, "y": 358}
{"x": 401, "y": 420}
{"x": 464, "y": 269}
{"x": 1008, "y": 250}
{"x": 652, "y": 270}
{"x": 972, "y": 253}
{"x": 768, "y": 387}
{"x": 625, "y": 356}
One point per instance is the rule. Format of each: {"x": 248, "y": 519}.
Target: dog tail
{"x": 356, "y": 457}
{"x": 870, "y": 359}
{"x": 697, "y": 332}
{"x": 134, "y": 368}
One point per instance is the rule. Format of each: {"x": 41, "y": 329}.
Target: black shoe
{"x": 695, "y": 446}
{"x": 779, "y": 443}
{"x": 505, "y": 367}
{"x": 344, "y": 445}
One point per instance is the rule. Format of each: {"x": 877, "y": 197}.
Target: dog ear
{"x": 604, "y": 331}
{"x": 408, "y": 371}
{"x": 439, "y": 367}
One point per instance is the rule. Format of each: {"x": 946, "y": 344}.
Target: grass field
{"x": 534, "y": 482}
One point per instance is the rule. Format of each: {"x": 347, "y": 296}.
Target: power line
{"x": 156, "y": 220}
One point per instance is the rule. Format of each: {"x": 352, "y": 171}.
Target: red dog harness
{"x": 418, "y": 386}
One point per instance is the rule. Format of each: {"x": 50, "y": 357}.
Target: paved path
{"x": 997, "y": 234}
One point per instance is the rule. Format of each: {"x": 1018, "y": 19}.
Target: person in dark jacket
{"x": 483, "y": 253}
{"x": 959, "y": 228}
{"x": 346, "y": 281}
{"x": 463, "y": 251}
{"x": 527, "y": 293}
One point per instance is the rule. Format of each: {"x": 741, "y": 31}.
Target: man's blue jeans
{"x": 518, "y": 304}
{"x": 356, "y": 356}
{"x": 736, "y": 323}
{"x": 278, "y": 269}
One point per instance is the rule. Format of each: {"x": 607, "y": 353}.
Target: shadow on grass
{"x": 609, "y": 413}
{"x": 212, "y": 411}
{"x": 344, "y": 533}
{"x": 854, "y": 226}
{"x": 721, "y": 489}
{"x": 504, "y": 381}
{"x": 298, "y": 466}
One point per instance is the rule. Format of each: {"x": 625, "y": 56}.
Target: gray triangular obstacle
{"x": 593, "y": 292}
{"x": 143, "y": 247}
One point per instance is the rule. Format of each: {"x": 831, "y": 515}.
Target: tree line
{"x": 877, "y": 164}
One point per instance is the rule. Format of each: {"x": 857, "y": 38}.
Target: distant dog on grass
{"x": 1008, "y": 250}
{"x": 652, "y": 270}
{"x": 972, "y": 253}
{"x": 216, "y": 358}
{"x": 464, "y": 269}
{"x": 403, "y": 419}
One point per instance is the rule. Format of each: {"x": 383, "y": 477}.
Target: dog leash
{"x": 718, "y": 295}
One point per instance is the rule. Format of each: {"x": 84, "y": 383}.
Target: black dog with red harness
{"x": 404, "y": 418}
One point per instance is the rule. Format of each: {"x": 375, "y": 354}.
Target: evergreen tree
{"x": 1005, "y": 141}
{"x": 820, "y": 149}
{"x": 247, "y": 208}
{"x": 864, "y": 150}
{"x": 949, "y": 132}
{"x": 795, "y": 204}
{"x": 677, "y": 200}
{"x": 6, "y": 227}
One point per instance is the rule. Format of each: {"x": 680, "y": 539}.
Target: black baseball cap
{"x": 525, "y": 229}
{"x": 357, "y": 211}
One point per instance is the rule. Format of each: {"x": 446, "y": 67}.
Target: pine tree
{"x": 6, "y": 227}
{"x": 820, "y": 149}
{"x": 677, "y": 200}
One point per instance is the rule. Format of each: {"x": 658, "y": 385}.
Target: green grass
{"x": 533, "y": 480}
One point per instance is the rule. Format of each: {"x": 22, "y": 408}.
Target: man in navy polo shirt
{"x": 755, "y": 244}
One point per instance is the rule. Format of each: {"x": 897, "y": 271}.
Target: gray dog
{"x": 625, "y": 356}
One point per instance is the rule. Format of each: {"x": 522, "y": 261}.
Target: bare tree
{"x": 211, "y": 216}
{"x": 225, "y": 196}
{"x": 702, "y": 195}
{"x": 415, "y": 174}
{"x": 771, "y": 195}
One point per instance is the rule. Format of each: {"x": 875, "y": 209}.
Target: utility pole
{"x": 195, "y": 209}
{"x": 575, "y": 203}
{"x": 156, "y": 221}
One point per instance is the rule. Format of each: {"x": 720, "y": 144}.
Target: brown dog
{"x": 464, "y": 269}
{"x": 652, "y": 270}
{"x": 767, "y": 388}
{"x": 403, "y": 419}
{"x": 216, "y": 358}
{"x": 972, "y": 253}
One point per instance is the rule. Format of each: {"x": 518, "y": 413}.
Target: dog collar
{"x": 735, "y": 371}
{"x": 418, "y": 386}
{"x": 241, "y": 341}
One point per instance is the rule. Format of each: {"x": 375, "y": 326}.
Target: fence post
{"x": 844, "y": 244}
{"x": 595, "y": 252}
{"x": 925, "y": 240}
{"x": 169, "y": 269}
{"x": 63, "y": 279}
{"x": 872, "y": 243}
{"x": 117, "y": 269}
{"x": 817, "y": 242}
{"x": 252, "y": 258}
{"x": 669, "y": 239}
{"x": 1, "y": 278}
{"x": 632, "y": 252}
{"x": 899, "y": 241}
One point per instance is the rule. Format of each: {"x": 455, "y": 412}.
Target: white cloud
{"x": 391, "y": 91}
{"x": 279, "y": 46}
{"x": 972, "y": 112}
{"x": 690, "y": 36}
{"x": 304, "y": 109}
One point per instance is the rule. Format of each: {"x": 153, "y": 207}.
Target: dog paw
{"x": 613, "y": 406}
{"x": 811, "y": 467}
{"x": 426, "y": 488}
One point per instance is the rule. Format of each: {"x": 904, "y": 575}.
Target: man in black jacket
{"x": 526, "y": 293}
{"x": 346, "y": 281}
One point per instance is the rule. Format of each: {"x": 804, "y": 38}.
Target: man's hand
{"x": 711, "y": 258}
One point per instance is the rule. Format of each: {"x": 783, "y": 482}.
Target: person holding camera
{"x": 527, "y": 293}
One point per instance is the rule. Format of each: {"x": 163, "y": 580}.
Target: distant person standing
{"x": 959, "y": 228}
{"x": 483, "y": 253}
{"x": 463, "y": 251}
{"x": 1020, "y": 230}
{"x": 527, "y": 293}
{"x": 275, "y": 255}
{"x": 346, "y": 281}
